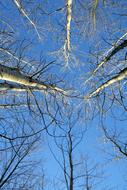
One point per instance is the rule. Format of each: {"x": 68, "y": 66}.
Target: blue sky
{"x": 88, "y": 44}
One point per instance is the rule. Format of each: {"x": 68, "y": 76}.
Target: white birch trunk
{"x": 15, "y": 76}
{"x": 117, "y": 78}
{"x": 69, "y": 17}
{"x": 117, "y": 46}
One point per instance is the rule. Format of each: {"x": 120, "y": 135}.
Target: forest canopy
{"x": 63, "y": 69}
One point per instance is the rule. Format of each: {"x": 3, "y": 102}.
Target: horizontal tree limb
{"x": 14, "y": 75}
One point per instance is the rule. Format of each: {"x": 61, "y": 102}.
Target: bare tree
{"x": 77, "y": 170}
{"x": 18, "y": 170}
{"x": 35, "y": 89}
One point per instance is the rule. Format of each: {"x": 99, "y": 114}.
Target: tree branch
{"x": 14, "y": 75}
{"x": 121, "y": 75}
{"x": 24, "y": 13}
